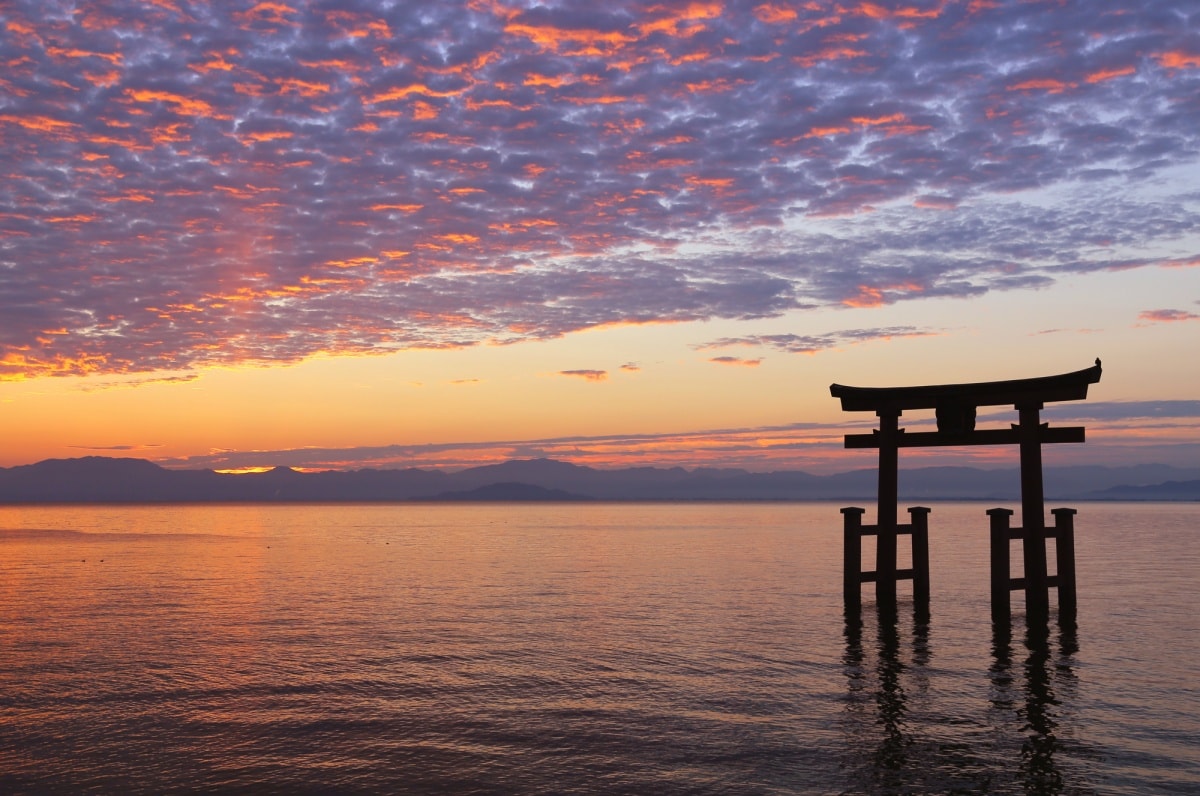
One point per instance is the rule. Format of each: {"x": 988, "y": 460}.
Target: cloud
{"x": 811, "y": 344}
{"x": 728, "y": 360}
{"x": 115, "y": 384}
{"x": 190, "y": 185}
{"x": 114, "y": 448}
{"x": 1127, "y": 410}
{"x": 588, "y": 375}
{"x": 1167, "y": 316}
{"x": 1066, "y": 331}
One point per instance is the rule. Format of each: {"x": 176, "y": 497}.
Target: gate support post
{"x": 852, "y": 558}
{"x": 1064, "y": 549}
{"x": 920, "y": 559}
{"x": 1000, "y": 565}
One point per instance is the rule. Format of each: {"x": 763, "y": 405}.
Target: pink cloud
{"x": 1167, "y": 316}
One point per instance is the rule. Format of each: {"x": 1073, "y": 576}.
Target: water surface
{"x": 599, "y": 648}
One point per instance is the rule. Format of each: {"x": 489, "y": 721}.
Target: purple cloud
{"x": 189, "y": 184}
{"x": 740, "y": 361}
{"x": 811, "y": 344}
{"x": 588, "y": 375}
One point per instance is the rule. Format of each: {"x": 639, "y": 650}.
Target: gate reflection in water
{"x": 897, "y": 743}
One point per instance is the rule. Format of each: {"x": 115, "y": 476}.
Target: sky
{"x": 369, "y": 233}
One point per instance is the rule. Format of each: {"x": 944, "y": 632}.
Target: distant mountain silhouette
{"x": 509, "y": 491}
{"x": 101, "y": 479}
{"x": 1169, "y": 490}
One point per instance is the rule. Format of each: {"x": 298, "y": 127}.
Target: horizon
{"x": 370, "y": 236}
{"x": 122, "y": 480}
{"x": 994, "y": 467}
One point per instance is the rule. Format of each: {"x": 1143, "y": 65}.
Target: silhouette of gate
{"x": 955, "y": 408}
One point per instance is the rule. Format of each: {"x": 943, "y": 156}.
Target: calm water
{"x": 576, "y": 649}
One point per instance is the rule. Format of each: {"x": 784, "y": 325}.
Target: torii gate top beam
{"x": 1044, "y": 389}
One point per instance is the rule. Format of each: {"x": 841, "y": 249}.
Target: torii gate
{"x": 955, "y": 407}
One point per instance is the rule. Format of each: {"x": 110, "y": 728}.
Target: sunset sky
{"x": 363, "y": 233}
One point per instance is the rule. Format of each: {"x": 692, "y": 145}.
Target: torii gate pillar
{"x": 887, "y": 507}
{"x": 1033, "y": 510}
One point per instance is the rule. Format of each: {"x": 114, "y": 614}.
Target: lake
{"x": 577, "y": 648}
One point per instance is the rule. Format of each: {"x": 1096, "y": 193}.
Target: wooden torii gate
{"x": 955, "y": 408}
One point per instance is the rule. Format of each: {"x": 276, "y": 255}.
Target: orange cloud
{"x": 462, "y": 237}
{"x": 45, "y": 124}
{"x": 607, "y": 99}
{"x": 709, "y": 182}
{"x": 1108, "y": 74}
{"x": 828, "y": 54}
{"x": 353, "y": 262}
{"x": 60, "y": 52}
{"x": 879, "y": 12}
{"x": 715, "y": 86}
{"x": 423, "y": 110}
{"x": 268, "y": 136}
{"x": 103, "y": 79}
{"x": 404, "y": 208}
{"x": 129, "y": 197}
{"x": 534, "y": 79}
{"x": 1047, "y": 84}
{"x": 215, "y": 62}
{"x": 267, "y": 12}
{"x": 81, "y": 218}
{"x": 19, "y": 365}
{"x": 774, "y": 15}
{"x": 689, "y": 18}
{"x": 870, "y": 121}
{"x": 182, "y": 104}
{"x": 358, "y": 26}
{"x": 870, "y": 296}
{"x": 304, "y": 88}
{"x": 1178, "y": 60}
{"x": 405, "y": 91}
{"x": 728, "y": 360}
{"x": 571, "y": 41}
{"x": 822, "y": 132}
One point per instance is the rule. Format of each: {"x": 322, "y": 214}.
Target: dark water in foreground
{"x": 576, "y": 649}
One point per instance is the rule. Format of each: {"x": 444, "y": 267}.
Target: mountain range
{"x": 124, "y": 480}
